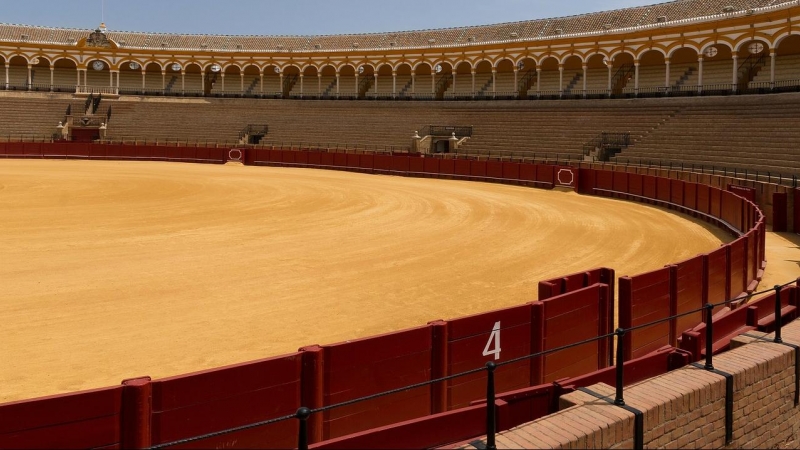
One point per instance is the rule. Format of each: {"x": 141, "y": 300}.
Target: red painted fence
{"x": 143, "y": 412}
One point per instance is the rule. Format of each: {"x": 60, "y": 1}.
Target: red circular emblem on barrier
{"x": 566, "y": 177}
{"x": 235, "y": 154}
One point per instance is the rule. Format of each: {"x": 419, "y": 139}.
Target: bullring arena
{"x": 569, "y": 232}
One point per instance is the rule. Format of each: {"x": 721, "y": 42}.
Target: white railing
{"x": 105, "y": 90}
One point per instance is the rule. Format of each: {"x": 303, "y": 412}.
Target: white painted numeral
{"x": 494, "y": 339}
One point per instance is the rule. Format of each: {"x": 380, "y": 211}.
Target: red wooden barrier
{"x": 213, "y": 400}
{"x": 376, "y": 364}
{"x": 566, "y": 319}
{"x": 779, "y": 212}
{"x": 663, "y": 187}
{"x": 80, "y": 420}
{"x": 477, "y": 169}
{"x": 340, "y": 160}
{"x": 401, "y": 164}
{"x": 511, "y": 171}
{"x": 747, "y": 193}
{"x": 704, "y": 198}
{"x": 367, "y": 162}
{"x": 353, "y": 160}
{"x": 726, "y": 327}
{"x": 738, "y": 257}
{"x": 439, "y": 429}
{"x": 326, "y": 159}
{"x": 447, "y": 167}
{"x": 649, "y": 186}
{"x": 691, "y": 292}
{"x": 416, "y": 165}
{"x": 643, "y": 299}
{"x": 545, "y": 173}
{"x": 761, "y": 313}
{"x": 431, "y": 165}
{"x": 620, "y": 181}
{"x": 718, "y": 275}
{"x": 690, "y": 195}
{"x": 636, "y": 184}
{"x": 676, "y": 192}
{"x": 494, "y": 169}
{"x": 587, "y": 181}
{"x": 648, "y": 366}
{"x": 524, "y": 405}
{"x": 382, "y": 163}
{"x": 604, "y": 179}
{"x": 493, "y": 336}
{"x": 715, "y": 202}
{"x": 462, "y": 167}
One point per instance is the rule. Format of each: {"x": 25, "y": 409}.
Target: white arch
{"x": 741, "y": 42}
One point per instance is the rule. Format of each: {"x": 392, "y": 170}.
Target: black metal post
{"x": 778, "y": 319}
{"x": 619, "y": 400}
{"x": 302, "y": 436}
{"x": 491, "y": 420}
{"x": 709, "y": 336}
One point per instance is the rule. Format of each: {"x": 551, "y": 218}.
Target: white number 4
{"x": 494, "y": 339}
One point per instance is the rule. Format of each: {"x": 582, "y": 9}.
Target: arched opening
{"x": 252, "y": 81}
{"x": 482, "y": 82}
{"x": 41, "y": 77}
{"x": 65, "y": 75}
{"x": 308, "y": 82}
{"x": 401, "y": 87}
{"x": 504, "y": 83}
{"x": 232, "y": 83}
{"x": 526, "y": 77}
{"x": 462, "y": 76}
{"x": 549, "y": 83}
{"x": 272, "y": 81}
{"x": 18, "y": 73}
{"x": 174, "y": 79}
{"x": 787, "y": 63}
{"x": 572, "y": 80}
{"x": 753, "y": 59}
{"x": 443, "y": 73}
{"x": 652, "y": 73}
{"x": 130, "y": 77}
{"x": 623, "y": 72}
{"x": 717, "y": 69}
{"x": 326, "y": 81}
{"x": 193, "y": 80}
{"x": 98, "y": 76}
{"x": 347, "y": 86}
{"x": 153, "y": 79}
{"x": 366, "y": 80}
{"x": 683, "y": 71}
{"x": 423, "y": 81}
{"x": 596, "y": 76}
{"x": 291, "y": 78}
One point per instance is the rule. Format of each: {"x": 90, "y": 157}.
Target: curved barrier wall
{"x": 144, "y": 412}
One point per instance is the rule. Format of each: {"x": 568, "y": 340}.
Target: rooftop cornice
{"x": 279, "y": 43}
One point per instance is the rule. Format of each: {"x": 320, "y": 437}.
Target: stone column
{"x": 183, "y": 82}
{"x": 735, "y": 79}
{"x": 473, "y": 84}
{"x": 8, "y": 65}
{"x": 666, "y": 77}
{"x": 494, "y": 82}
{"x": 241, "y": 82}
{"x": 610, "y": 66}
{"x": 52, "y": 70}
{"x": 636, "y": 78}
{"x": 163, "y": 81}
{"x": 772, "y": 69}
{"x": 700, "y": 73}
{"x": 29, "y": 76}
{"x": 302, "y": 87}
{"x": 560, "y": 79}
{"x": 538, "y": 81}
{"x": 585, "y": 74}
{"x": 337, "y": 83}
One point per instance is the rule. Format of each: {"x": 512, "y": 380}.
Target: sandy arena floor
{"x": 113, "y": 270}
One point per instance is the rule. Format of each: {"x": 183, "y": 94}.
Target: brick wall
{"x": 684, "y": 408}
